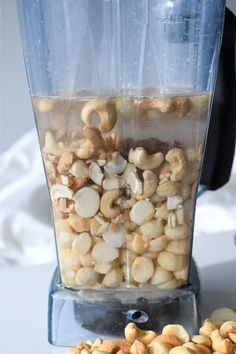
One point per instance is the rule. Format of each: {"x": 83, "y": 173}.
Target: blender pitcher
{"x": 121, "y": 92}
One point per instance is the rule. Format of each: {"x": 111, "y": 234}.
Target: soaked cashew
{"x": 106, "y": 110}
{"x": 162, "y": 212}
{"x": 181, "y": 274}
{"x": 87, "y": 260}
{"x": 177, "y": 330}
{"x": 142, "y": 211}
{"x": 177, "y": 233}
{"x": 127, "y": 257}
{"x": 177, "y": 160}
{"x": 115, "y": 235}
{"x": 86, "y": 276}
{"x": 137, "y": 245}
{"x": 87, "y": 202}
{"x": 132, "y": 332}
{"x": 220, "y": 344}
{"x": 168, "y": 188}
{"x": 179, "y": 246}
{"x": 51, "y": 145}
{"x": 161, "y": 276}
{"x": 149, "y": 185}
{"x": 107, "y": 207}
{"x": 142, "y": 269}
{"x": 78, "y": 223}
{"x": 171, "y": 284}
{"x": 93, "y": 134}
{"x": 158, "y": 244}
{"x": 171, "y": 261}
{"x": 103, "y": 253}
{"x": 152, "y": 229}
{"x": 113, "y": 278}
{"x": 82, "y": 243}
{"x": 145, "y": 161}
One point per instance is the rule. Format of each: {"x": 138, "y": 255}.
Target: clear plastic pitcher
{"x": 121, "y": 92}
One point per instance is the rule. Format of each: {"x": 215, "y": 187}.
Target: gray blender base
{"x": 75, "y": 316}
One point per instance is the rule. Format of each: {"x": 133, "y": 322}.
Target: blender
{"x": 122, "y": 93}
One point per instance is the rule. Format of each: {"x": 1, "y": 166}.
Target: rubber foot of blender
{"x": 75, "y": 316}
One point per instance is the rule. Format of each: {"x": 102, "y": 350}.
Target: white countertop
{"x": 24, "y": 291}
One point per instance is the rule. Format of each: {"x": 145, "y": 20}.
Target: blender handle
{"x": 220, "y": 144}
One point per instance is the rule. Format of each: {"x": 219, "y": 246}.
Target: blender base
{"x": 75, "y": 316}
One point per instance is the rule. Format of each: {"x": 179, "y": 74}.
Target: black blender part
{"x": 220, "y": 145}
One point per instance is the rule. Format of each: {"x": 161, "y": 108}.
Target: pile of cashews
{"x": 217, "y": 335}
{"x": 120, "y": 221}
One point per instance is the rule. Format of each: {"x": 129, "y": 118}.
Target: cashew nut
{"x": 93, "y": 134}
{"x": 103, "y": 253}
{"x": 171, "y": 284}
{"x": 178, "y": 233}
{"x": 171, "y": 261}
{"x": 106, "y": 110}
{"x": 159, "y": 348}
{"x": 87, "y": 202}
{"x": 177, "y": 330}
{"x": 115, "y": 345}
{"x": 149, "y": 185}
{"x": 79, "y": 169}
{"x": 113, "y": 278}
{"x": 103, "y": 268}
{"x": 142, "y": 269}
{"x": 223, "y": 313}
{"x": 127, "y": 257}
{"x": 193, "y": 346}
{"x": 65, "y": 239}
{"x": 73, "y": 351}
{"x": 199, "y": 339}
{"x": 181, "y": 350}
{"x": 227, "y": 329}
{"x": 95, "y": 173}
{"x": 168, "y": 188}
{"x": 82, "y": 243}
{"x": 61, "y": 191}
{"x": 65, "y": 161}
{"x": 137, "y": 245}
{"x": 135, "y": 184}
{"x": 138, "y": 348}
{"x": 78, "y": 223}
{"x": 87, "y": 260}
{"x": 142, "y": 211}
{"x": 161, "y": 276}
{"x": 183, "y": 105}
{"x": 113, "y": 183}
{"x": 163, "y": 105}
{"x": 145, "y": 161}
{"x": 63, "y": 225}
{"x": 68, "y": 260}
{"x": 86, "y": 276}
{"x": 174, "y": 202}
{"x": 169, "y": 339}
{"x": 132, "y": 332}
{"x": 152, "y": 229}
{"x": 220, "y": 344}
{"x": 51, "y": 145}
{"x": 116, "y": 166}
{"x": 115, "y": 235}
{"x": 162, "y": 212}
{"x": 204, "y": 349}
{"x": 207, "y": 328}
{"x": 107, "y": 207}
{"x": 179, "y": 246}
{"x": 178, "y": 164}
{"x": 158, "y": 244}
